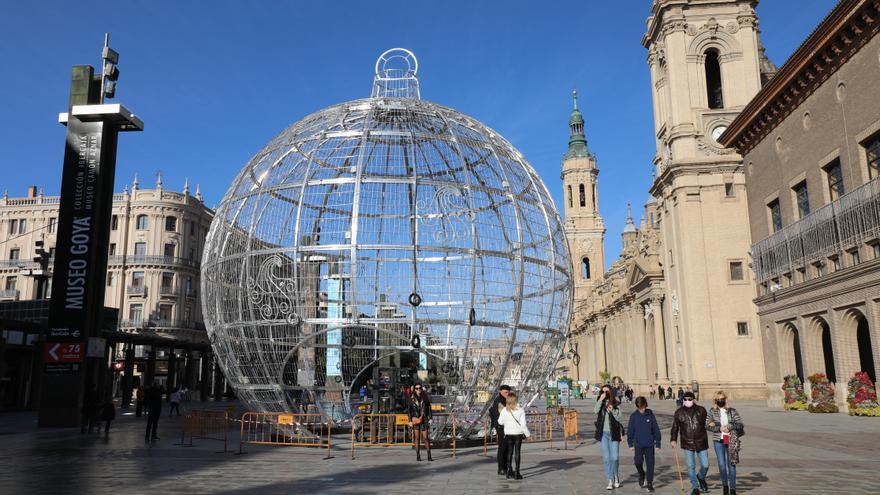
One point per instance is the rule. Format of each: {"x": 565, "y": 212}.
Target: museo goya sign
{"x": 81, "y": 249}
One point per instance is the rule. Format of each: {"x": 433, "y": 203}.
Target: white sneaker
{"x": 616, "y": 482}
{"x": 610, "y": 485}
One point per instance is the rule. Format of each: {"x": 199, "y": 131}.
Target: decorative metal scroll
{"x": 452, "y": 217}
{"x": 271, "y": 294}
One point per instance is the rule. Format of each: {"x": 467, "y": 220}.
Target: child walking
{"x": 513, "y": 419}
{"x": 643, "y": 436}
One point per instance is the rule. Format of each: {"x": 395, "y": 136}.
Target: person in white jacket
{"x": 513, "y": 419}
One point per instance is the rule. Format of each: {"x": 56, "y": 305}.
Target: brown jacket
{"x": 691, "y": 423}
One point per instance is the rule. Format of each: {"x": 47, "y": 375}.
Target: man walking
{"x": 154, "y": 410}
{"x": 690, "y": 423}
{"x": 643, "y": 436}
{"x": 494, "y": 412}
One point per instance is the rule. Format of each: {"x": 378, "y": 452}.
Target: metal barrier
{"x": 387, "y": 430}
{"x": 569, "y": 426}
{"x": 290, "y": 429}
{"x": 540, "y": 426}
{"x": 211, "y": 425}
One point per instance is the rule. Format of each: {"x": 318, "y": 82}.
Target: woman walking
{"x": 643, "y": 437}
{"x": 726, "y": 426}
{"x": 513, "y": 419}
{"x": 608, "y": 433}
{"x": 420, "y": 416}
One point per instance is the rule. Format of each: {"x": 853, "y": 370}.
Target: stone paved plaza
{"x": 782, "y": 453}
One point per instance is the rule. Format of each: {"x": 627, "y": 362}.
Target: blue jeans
{"x": 689, "y": 456}
{"x": 727, "y": 470}
{"x": 610, "y": 455}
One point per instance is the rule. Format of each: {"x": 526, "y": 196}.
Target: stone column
{"x": 127, "y": 376}
{"x": 205, "y": 375}
{"x": 659, "y": 339}
{"x": 171, "y": 383}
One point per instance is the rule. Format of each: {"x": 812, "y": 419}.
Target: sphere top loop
{"x": 396, "y": 71}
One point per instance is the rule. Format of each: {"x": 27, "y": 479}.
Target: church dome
{"x": 386, "y": 232}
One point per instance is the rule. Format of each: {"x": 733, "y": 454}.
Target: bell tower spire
{"x": 584, "y": 227}
{"x": 577, "y": 141}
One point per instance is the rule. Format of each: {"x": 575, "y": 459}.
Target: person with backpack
{"x": 609, "y": 431}
{"x": 726, "y": 426}
{"x": 643, "y": 436}
{"x": 513, "y": 419}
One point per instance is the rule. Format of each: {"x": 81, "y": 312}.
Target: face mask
{"x": 721, "y": 402}
{"x": 688, "y": 403}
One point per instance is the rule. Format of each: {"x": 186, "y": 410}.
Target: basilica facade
{"x": 677, "y": 306}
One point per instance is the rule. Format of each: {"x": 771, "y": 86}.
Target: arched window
{"x": 141, "y": 222}
{"x": 583, "y": 195}
{"x": 594, "y": 198}
{"x": 585, "y": 268}
{"x": 570, "y": 198}
{"x": 171, "y": 224}
{"x": 713, "y": 79}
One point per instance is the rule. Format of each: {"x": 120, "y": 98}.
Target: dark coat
{"x": 616, "y": 427}
{"x": 690, "y": 422}
{"x": 493, "y": 412}
{"x": 154, "y": 400}
{"x": 642, "y": 430}
{"x": 420, "y": 409}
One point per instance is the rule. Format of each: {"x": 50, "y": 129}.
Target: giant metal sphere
{"x": 386, "y": 233}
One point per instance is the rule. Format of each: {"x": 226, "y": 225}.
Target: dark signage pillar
{"x": 77, "y": 306}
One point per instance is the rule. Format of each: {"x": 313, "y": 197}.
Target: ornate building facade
{"x": 811, "y": 143}
{"x": 676, "y": 307}
{"x": 584, "y": 227}
{"x": 156, "y": 241}
{"x": 706, "y": 62}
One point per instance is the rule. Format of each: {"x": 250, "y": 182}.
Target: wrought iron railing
{"x": 830, "y": 231}
{"x": 9, "y": 294}
{"x": 151, "y": 260}
{"x": 135, "y": 290}
{"x": 161, "y": 323}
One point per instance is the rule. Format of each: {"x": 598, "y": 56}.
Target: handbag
{"x": 417, "y": 421}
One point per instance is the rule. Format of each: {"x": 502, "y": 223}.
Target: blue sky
{"x": 214, "y": 81}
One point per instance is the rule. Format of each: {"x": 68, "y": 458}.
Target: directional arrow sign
{"x": 64, "y": 352}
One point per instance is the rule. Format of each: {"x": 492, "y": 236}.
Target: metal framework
{"x": 380, "y": 227}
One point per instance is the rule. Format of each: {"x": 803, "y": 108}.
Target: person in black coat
{"x": 420, "y": 417}
{"x": 494, "y": 411}
{"x": 643, "y": 436}
{"x": 154, "y": 411}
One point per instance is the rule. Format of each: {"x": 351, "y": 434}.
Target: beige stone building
{"x": 811, "y": 143}
{"x": 156, "y": 241}
{"x": 584, "y": 228}
{"x": 677, "y": 306}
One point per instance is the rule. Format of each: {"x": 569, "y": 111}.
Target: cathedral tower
{"x": 583, "y": 224}
{"x": 706, "y": 64}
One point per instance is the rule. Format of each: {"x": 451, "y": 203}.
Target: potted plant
{"x": 821, "y": 394}
{"x": 862, "y": 396}
{"x": 795, "y": 398}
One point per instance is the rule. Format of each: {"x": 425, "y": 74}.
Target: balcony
{"x": 140, "y": 259}
{"x": 9, "y": 294}
{"x": 168, "y": 291}
{"x": 136, "y": 290}
{"x": 161, "y": 323}
{"x": 830, "y": 231}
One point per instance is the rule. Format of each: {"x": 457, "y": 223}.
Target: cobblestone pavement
{"x": 783, "y": 453}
